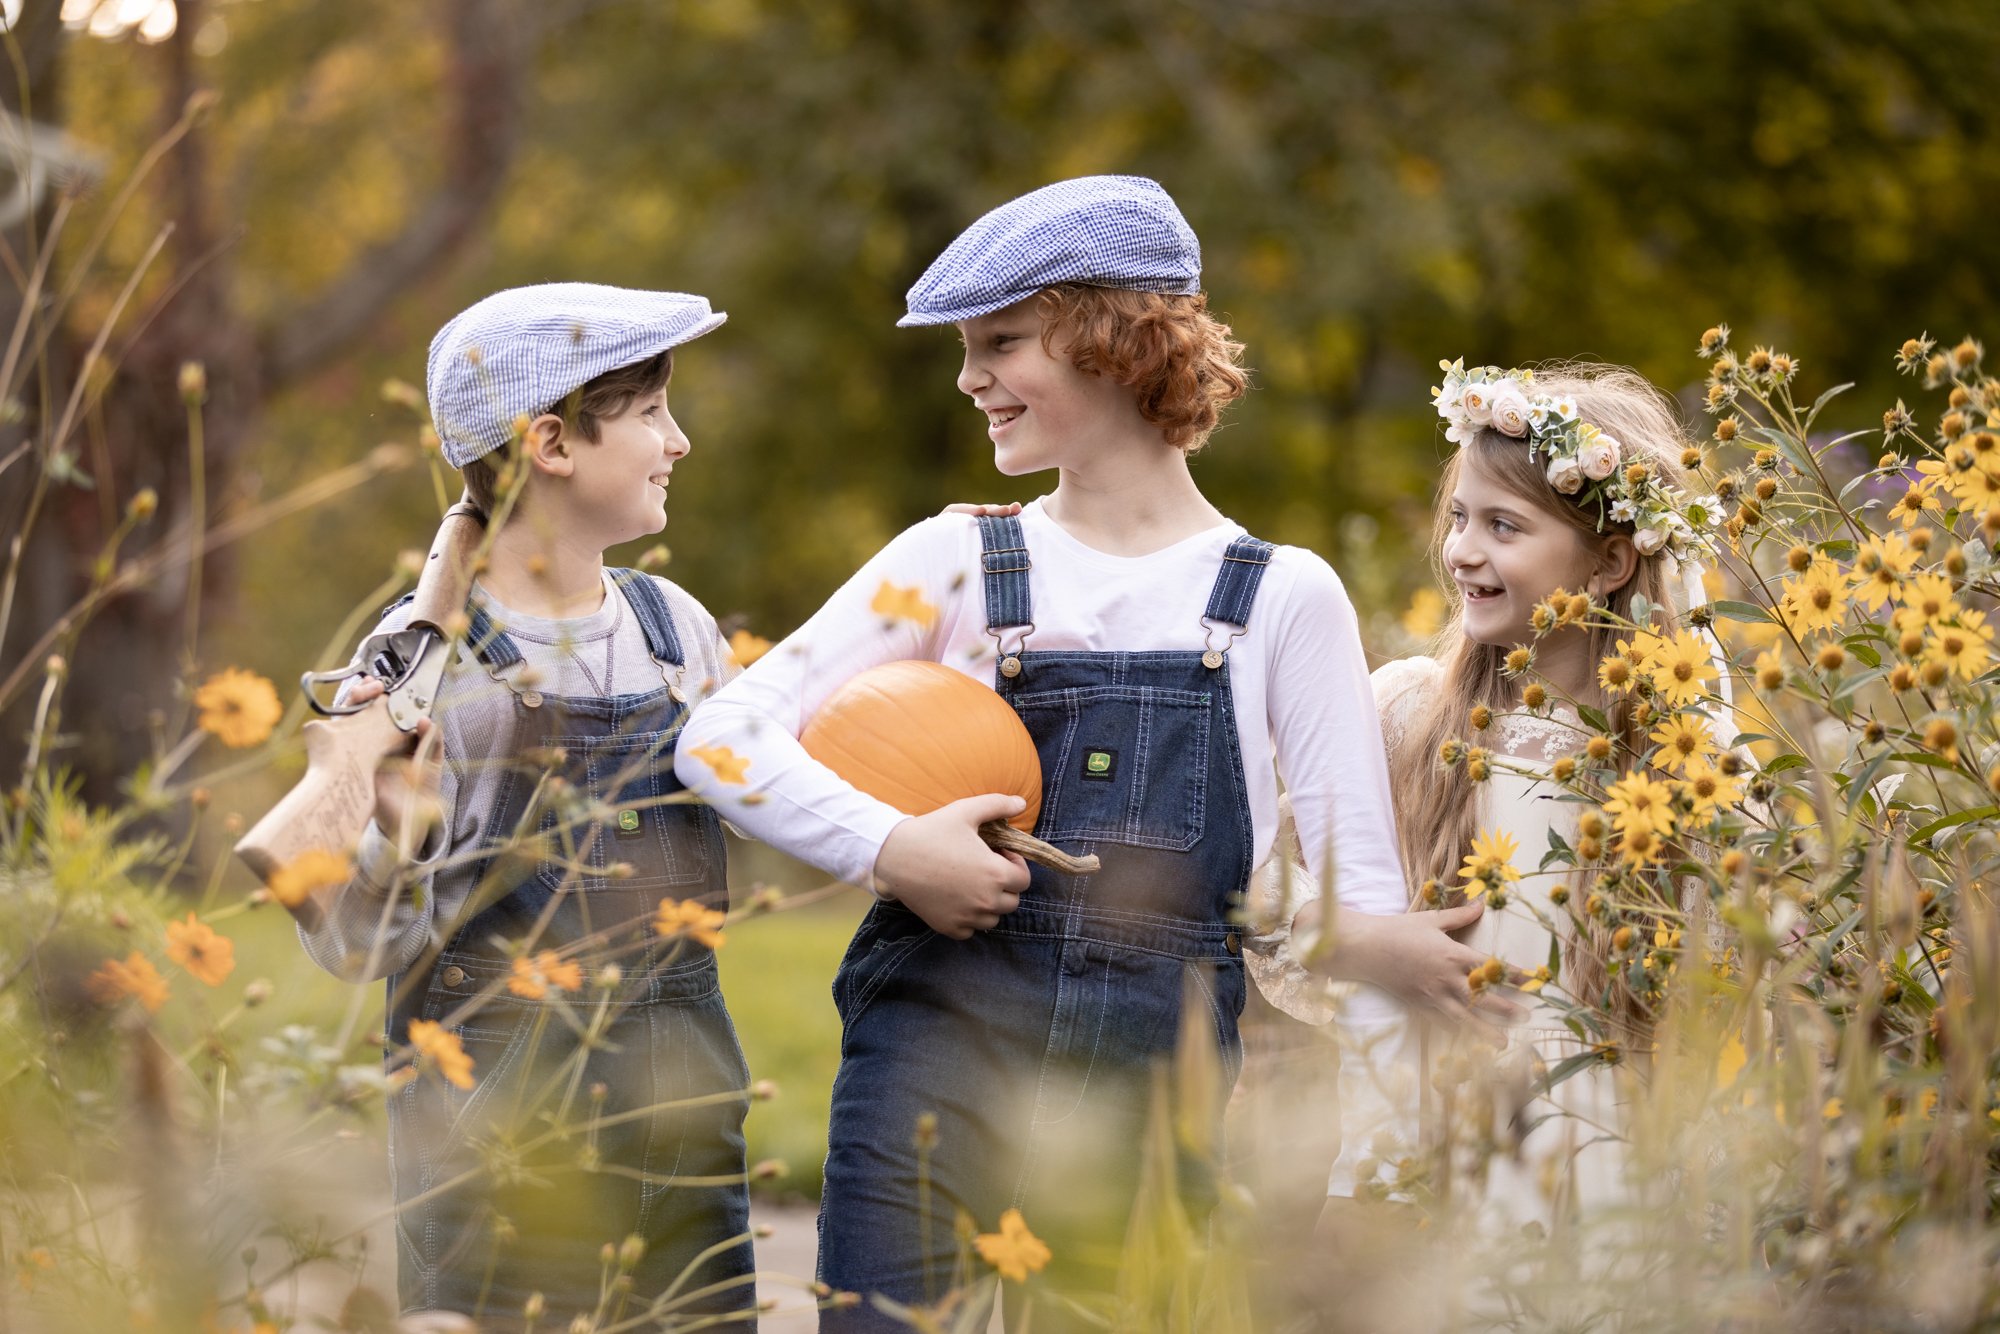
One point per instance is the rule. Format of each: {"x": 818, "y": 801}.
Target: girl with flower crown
{"x": 1563, "y": 677}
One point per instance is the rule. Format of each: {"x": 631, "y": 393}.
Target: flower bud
{"x": 258, "y": 992}
{"x": 193, "y": 382}
{"x": 144, "y": 504}
{"x": 1533, "y": 695}
{"x": 1726, "y": 429}
{"x": 1831, "y": 657}
{"x": 1766, "y": 488}
{"x": 1799, "y": 559}
{"x": 1481, "y": 718}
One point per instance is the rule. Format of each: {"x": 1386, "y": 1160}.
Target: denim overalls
{"x": 564, "y": 1135}
{"x": 1033, "y": 1044}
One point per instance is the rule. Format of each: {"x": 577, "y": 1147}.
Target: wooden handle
{"x": 446, "y": 583}
{"x": 1003, "y": 837}
{"x": 331, "y": 805}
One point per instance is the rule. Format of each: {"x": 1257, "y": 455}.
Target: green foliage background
{"x": 1376, "y": 186}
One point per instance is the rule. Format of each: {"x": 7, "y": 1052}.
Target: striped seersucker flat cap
{"x": 1106, "y": 231}
{"x": 520, "y": 352}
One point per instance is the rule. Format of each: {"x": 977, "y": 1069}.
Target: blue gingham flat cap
{"x": 521, "y": 352}
{"x": 1107, "y": 231}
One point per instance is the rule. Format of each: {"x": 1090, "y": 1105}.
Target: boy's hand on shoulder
{"x": 1007, "y": 510}
{"x": 939, "y": 868}
{"x": 407, "y": 806}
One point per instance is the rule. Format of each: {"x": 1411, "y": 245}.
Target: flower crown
{"x": 1583, "y": 461}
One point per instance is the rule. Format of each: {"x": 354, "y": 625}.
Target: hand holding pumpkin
{"x": 940, "y": 868}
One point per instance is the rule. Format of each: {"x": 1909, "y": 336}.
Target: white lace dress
{"x": 1545, "y": 1154}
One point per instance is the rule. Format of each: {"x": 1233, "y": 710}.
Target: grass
{"x": 777, "y": 972}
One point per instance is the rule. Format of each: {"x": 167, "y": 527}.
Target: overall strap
{"x": 489, "y": 643}
{"x": 1004, "y": 557}
{"x": 1243, "y": 567}
{"x": 650, "y": 605}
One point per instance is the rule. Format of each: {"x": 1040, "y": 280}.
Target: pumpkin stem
{"x": 1003, "y": 837}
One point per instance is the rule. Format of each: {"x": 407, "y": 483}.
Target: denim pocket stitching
{"x": 1128, "y": 827}
{"x": 894, "y": 953}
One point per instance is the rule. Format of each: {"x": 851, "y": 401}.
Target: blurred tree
{"x": 127, "y": 661}
{"x": 1377, "y": 183}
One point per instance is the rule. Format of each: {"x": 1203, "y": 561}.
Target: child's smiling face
{"x": 1041, "y": 411}
{"x": 1506, "y": 555}
{"x": 619, "y": 486}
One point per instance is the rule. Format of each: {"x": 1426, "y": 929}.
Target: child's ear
{"x": 546, "y": 446}
{"x": 1616, "y": 564}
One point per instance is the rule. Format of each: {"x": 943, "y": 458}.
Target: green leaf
{"x": 1592, "y": 718}
{"x": 1784, "y": 762}
{"x": 1740, "y": 611}
{"x": 1568, "y": 1066}
{"x": 1953, "y": 820}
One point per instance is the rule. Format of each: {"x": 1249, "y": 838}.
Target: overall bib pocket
{"x": 1121, "y": 764}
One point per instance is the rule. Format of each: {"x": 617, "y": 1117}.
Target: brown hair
{"x": 1437, "y": 809}
{"x": 1176, "y": 357}
{"x": 584, "y": 409}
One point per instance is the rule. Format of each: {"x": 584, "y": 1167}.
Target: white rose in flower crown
{"x": 1476, "y": 403}
{"x": 1566, "y": 475}
{"x": 1511, "y": 410}
{"x": 1600, "y": 457}
{"x": 1649, "y": 540}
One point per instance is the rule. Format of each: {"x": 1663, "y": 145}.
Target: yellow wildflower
{"x": 533, "y": 977}
{"x": 134, "y": 976}
{"x": 238, "y": 708}
{"x": 1013, "y": 1250}
{"x": 1680, "y": 667}
{"x": 1640, "y": 845}
{"x": 1490, "y": 862}
{"x": 1614, "y": 673}
{"x": 1817, "y": 599}
{"x": 1879, "y": 568}
{"x": 1927, "y": 600}
{"x": 306, "y": 874}
{"x": 195, "y": 946}
{"x": 1639, "y": 650}
{"x": 729, "y": 767}
{"x": 895, "y": 603}
{"x": 746, "y": 648}
{"x": 686, "y": 917}
{"x": 1636, "y": 801}
{"x": 1709, "y": 790}
{"x": 1770, "y": 669}
{"x": 1683, "y": 740}
{"x": 1965, "y": 647}
{"x": 440, "y": 1047}
{"x": 1917, "y": 503}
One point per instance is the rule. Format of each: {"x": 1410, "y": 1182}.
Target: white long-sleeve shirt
{"x": 1304, "y": 709}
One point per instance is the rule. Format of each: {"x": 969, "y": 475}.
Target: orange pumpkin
{"x": 919, "y": 735}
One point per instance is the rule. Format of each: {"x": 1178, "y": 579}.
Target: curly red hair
{"x": 1176, "y": 357}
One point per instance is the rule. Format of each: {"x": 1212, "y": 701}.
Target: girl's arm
{"x": 740, "y": 749}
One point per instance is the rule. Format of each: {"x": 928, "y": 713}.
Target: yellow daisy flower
{"x": 238, "y": 708}
{"x": 1684, "y": 740}
{"x": 1965, "y": 648}
{"x": 1816, "y": 599}
{"x": 1681, "y": 667}
{"x": 1490, "y": 863}
{"x": 1636, "y": 801}
{"x": 1709, "y": 791}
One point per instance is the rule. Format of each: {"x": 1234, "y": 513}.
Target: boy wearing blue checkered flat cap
{"x": 1169, "y": 667}
{"x": 578, "y": 1088}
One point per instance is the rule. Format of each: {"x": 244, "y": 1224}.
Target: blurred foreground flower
{"x": 1013, "y": 1250}
{"x": 533, "y": 977}
{"x": 746, "y": 648}
{"x": 135, "y": 976}
{"x": 894, "y": 603}
{"x": 195, "y": 946}
{"x": 440, "y": 1047}
{"x": 729, "y": 767}
{"x": 1421, "y": 619}
{"x": 238, "y": 708}
{"x": 306, "y": 874}
{"x": 683, "y": 917}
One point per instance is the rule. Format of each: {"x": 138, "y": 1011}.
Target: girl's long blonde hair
{"x": 1437, "y": 807}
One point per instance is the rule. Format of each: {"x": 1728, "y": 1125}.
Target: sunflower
{"x": 1614, "y": 673}
{"x": 1917, "y": 503}
{"x": 238, "y": 708}
{"x": 1684, "y": 740}
{"x": 1680, "y": 667}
